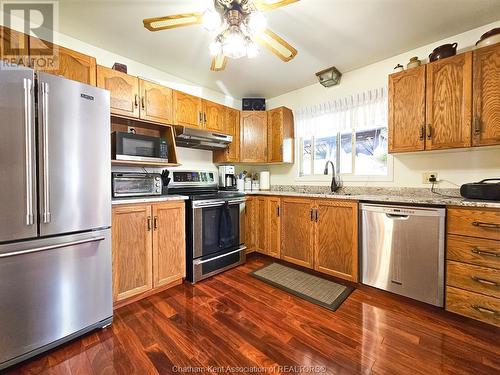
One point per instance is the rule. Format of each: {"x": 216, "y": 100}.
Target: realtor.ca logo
{"x": 29, "y": 33}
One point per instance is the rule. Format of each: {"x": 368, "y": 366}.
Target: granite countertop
{"x": 387, "y": 196}
{"x": 162, "y": 198}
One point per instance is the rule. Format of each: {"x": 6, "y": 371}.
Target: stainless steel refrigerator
{"x": 55, "y": 212}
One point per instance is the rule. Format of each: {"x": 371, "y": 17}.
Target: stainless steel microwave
{"x": 138, "y": 147}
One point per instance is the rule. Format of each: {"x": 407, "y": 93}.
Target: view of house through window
{"x": 352, "y": 133}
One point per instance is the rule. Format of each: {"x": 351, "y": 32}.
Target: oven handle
{"x": 218, "y": 203}
{"x": 198, "y": 262}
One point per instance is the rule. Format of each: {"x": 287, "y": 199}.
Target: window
{"x": 351, "y": 132}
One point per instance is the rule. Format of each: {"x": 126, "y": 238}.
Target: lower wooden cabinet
{"x": 321, "y": 234}
{"x": 148, "y": 249}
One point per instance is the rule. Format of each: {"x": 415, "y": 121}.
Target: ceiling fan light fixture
{"x": 211, "y": 20}
{"x": 252, "y": 49}
{"x": 234, "y": 45}
{"x": 215, "y": 48}
{"x": 256, "y": 22}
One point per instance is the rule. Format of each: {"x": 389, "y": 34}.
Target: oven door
{"x": 218, "y": 225}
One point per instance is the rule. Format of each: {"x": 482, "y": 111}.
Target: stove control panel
{"x": 193, "y": 177}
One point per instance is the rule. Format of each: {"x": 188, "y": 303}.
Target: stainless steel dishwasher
{"x": 403, "y": 250}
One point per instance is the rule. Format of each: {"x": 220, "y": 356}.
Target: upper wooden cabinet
{"x": 14, "y": 47}
{"x": 336, "y": 239}
{"x": 449, "y": 102}
{"x": 486, "y": 89}
{"x": 253, "y": 141}
{"x": 280, "y": 135}
{"x": 297, "y": 231}
{"x": 232, "y": 127}
{"x": 67, "y": 63}
{"x": 124, "y": 90}
{"x": 407, "y": 110}
{"x": 214, "y": 116}
{"x": 156, "y": 102}
{"x": 188, "y": 110}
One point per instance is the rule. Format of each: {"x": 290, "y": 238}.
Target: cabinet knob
{"x": 476, "y": 126}
{"x": 136, "y": 101}
{"x": 429, "y": 131}
{"x": 143, "y": 103}
{"x": 422, "y": 133}
{"x": 149, "y": 223}
{"x": 155, "y": 223}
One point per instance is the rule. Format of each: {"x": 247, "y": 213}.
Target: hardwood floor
{"x": 235, "y": 320}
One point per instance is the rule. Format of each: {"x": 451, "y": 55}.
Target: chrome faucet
{"x": 335, "y": 184}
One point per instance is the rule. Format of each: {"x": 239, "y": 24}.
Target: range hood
{"x": 201, "y": 139}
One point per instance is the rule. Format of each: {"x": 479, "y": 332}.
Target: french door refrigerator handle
{"x": 45, "y": 152}
{"x": 28, "y": 84}
{"x": 52, "y": 247}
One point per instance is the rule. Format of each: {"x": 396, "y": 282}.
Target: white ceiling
{"x": 345, "y": 33}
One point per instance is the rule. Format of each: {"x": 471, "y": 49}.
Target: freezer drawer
{"x": 403, "y": 250}
{"x": 74, "y": 156}
{"x": 51, "y": 289}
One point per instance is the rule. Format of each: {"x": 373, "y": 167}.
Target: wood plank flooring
{"x": 236, "y": 320}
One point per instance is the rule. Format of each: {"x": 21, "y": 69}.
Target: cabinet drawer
{"x": 475, "y": 223}
{"x": 473, "y": 278}
{"x": 472, "y": 250}
{"x": 473, "y": 305}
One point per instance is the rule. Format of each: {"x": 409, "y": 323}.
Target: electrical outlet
{"x": 131, "y": 129}
{"x": 428, "y": 176}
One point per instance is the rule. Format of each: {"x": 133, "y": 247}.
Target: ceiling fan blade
{"x": 265, "y": 5}
{"x": 276, "y": 45}
{"x": 170, "y": 22}
{"x": 218, "y": 63}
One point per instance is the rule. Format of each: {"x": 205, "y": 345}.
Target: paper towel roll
{"x": 265, "y": 180}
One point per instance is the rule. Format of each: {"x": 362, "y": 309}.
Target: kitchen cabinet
{"x": 486, "y": 98}
{"x": 188, "y": 110}
{"x": 66, "y": 62}
{"x": 253, "y": 133}
{"x": 274, "y": 227}
{"x": 14, "y": 46}
{"x": 280, "y": 135}
{"x": 169, "y": 258}
{"x": 407, "y": 110}
{"x": 156, "y": 102}
{"x": 124, "y": 91}
{"x": 261, "y": 224}
{"x": 336, "y": 239}
{"x": 214, "y": 116}
{"x": 297, "y": 231}
{"x": 232, "y": 127}
{"x": 449, "y": 102}
{"x": 472, "y": 263}
{"x": 148, "y": 249}
{"x": 132, "y": 251}
{"x": 250, "y": 220}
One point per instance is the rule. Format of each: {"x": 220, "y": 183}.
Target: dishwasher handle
{"x": 397, "y": 217}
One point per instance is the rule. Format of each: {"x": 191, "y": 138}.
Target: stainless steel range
{"x": 214, "y": 224}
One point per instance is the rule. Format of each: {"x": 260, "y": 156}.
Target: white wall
{"x": 456, "y": 166}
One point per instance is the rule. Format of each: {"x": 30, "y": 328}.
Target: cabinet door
{"x": 14, "y": 46}
{"x": 132, "y": 251}
{"x": 250, "y": 224}
{"x": 261, "y": 225}
{"x": 124, "y": 91}
{"x": 214, "y": 116}
{"x": 169, "y": 247}
{"x": 297, "y": 231}
{"x": 156, "y": 102}
{"x": 336, "y": 239}
{"x": 280, "y": 135}
{"x": 232, "y": 127}
{"x": 187, "y": 110}
{"x": 67, "y": 63}
{"x": 407, "y": 110}
{"x": 486, "y": 119}
{"x": 274, "y": 227}
{"x": 253, "y": 132}
{"x": 449, "y": 102}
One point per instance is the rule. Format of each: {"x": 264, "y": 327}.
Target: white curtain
{"x": 364, "y": 110}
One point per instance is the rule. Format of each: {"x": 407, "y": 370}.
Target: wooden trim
{"x": 149, "y": 293}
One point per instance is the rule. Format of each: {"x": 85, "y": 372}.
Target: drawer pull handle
{"x": 486, "y": 225}
{"x": 485, "y": 281}
{"x": 478, "y": 251}
{"x": 485, "y": 310}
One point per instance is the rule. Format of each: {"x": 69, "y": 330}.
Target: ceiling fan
{"x": 239, "y": 26}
